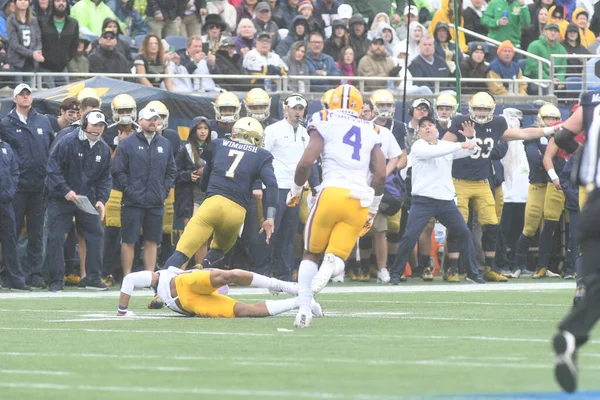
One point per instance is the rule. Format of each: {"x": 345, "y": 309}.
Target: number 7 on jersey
{"x": 236, "y": 161}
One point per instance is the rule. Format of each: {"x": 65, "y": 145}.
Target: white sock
{"x": 306, "y": 272}
{"x": 280, "y": 306}
{"x": 263, "y": 281}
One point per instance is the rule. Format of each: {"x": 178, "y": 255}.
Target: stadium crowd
{"x": 139, "y": 195}
{"x": 295, "y": 37}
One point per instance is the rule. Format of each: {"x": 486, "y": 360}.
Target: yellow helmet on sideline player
{"x": 227, "y": 100}
{"x": 326, "y": 98}
{"x": 124, "y": 109}
{"x": 384, "y": 105}
{"x": 248, "y": 130}
{"x": 86, "y": 93}
{"x": 162, "y": 110}
{"x": 257, "y": 104}
{"x": 482, "y": 101}
{"x": 548, "y": 111}
{"x": 346, "y": 97}
{"x": 445, "y": 100}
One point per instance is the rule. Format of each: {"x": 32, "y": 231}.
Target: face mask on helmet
{"x": 124, "y": 116}
{"x": 444, "y": 113}
{"x": 258, "y": 112}
{"x": 481, "y": 115}
{"x": 384, "y": 110}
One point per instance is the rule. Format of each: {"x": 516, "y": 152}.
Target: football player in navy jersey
{"x": 573, "y": 331}
{"x": 257, "y": 104}
{"x": 384, "y": 109}
{"x": 471, "y": 174}
{"x": 548, "y": 114}
{"x": 227, "y": 111}
{"x": 232, "y": 167}
{"x": 444, "y": 108}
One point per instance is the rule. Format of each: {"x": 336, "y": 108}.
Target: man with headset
{"x": 79, "y": 166}
{"x": 286, "y": 140}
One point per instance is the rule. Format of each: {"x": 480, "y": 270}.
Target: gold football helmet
{"x": 451, "y": 105}
{"x": 346, "y": 97}
{"x": 481, "y": 108}
{"x": 248, "y": 130}
{"x": 257, "y": 104}
{"x": 326, "y": 98}
{"x": 124, "y": 109}
{"x": 88, "y": 92}
{"x": 384, "y": 104}
{"x": 227, "y": 108}
{"x": 547, "y": 115}
{"x": 163, "y": 111}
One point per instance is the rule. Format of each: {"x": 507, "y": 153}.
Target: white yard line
{"x": 532, "y": 287}
{"x": 221, "y": 392}
{"x": 296, "y": 335}
{"x": 33, "y": 372}
{"x": 155, "y": 368}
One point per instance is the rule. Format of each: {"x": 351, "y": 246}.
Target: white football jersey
{"x": 346, "y": 157}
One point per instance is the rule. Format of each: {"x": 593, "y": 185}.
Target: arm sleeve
{"x": 267, "y": 176}
{"x": 119, "y": 169}
{"x": 534, "y": 156}
{"x": 313, "y": 179}
{"x": 184, "y": 175}
{"x": 525, "y": 16}
{"x": 170, "y": 173}
{"x": 424, "y": 151}
{"x": 14, "y": 174}
{"x": 205, "y": 176}
{"x": 105, "y": 184}
{"x": 141, "y": 279}
{"x": 55, "y": 181}
{"x": 488, "y": 19}
{"x": 74, "y": 43}
{"x": 463, "y": 153}
{"x": 37, "y": 35}
{"x": 499, "y": 150}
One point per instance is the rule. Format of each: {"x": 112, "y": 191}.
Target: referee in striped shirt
{"x": 574, "y": 329}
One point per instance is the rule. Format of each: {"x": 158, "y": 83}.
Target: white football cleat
{"x": 317, "y": 310}
{"x": 331, "y": 266}
{"x": 550, "y": 274}
{"x": 338, "y": 279}
{"x": 383, "y": 276}
{"x": 302, "y": 320}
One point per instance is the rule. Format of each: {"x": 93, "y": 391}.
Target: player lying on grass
{"x": 196, "y": 292}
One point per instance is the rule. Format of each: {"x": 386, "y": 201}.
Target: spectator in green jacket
{"x": 91, "y": 14}
{"x": 545, "y": 46}
{"x": 505, "y": 19}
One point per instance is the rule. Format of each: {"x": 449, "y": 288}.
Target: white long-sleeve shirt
{"x": 432, "y": 168}
{"x": 287, "y": 148}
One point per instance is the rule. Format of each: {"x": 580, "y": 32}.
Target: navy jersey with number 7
{"x": 477, "y": 166}
{"x": 233, "y": 167}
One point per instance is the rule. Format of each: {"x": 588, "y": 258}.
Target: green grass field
{"x": 415, "y": 341}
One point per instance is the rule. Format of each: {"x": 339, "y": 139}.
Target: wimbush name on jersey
{"x": 240, "y": 146}
{"x": 477, "y": 166}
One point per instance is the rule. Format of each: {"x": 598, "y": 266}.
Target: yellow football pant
{"x": 499, "y": 200}
{"x": 169, "y": 212}
{"x": 554, "y": 203}
{"x": 582, "y": 197}
{"x": 334, "y": 223}
{"x": 217, "y": 215}
{"x": 534, "y": 208}
{"x": 198, "y": 296}
{"x": 478, "y": 195}
{"x": 113, "y": 209}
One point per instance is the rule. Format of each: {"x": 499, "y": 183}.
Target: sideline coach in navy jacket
{"x": 79, "y": 165}
{"x": 144, "y": 170}
{"x": 13, "y": 277}
{"x": 30, "y": 135}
